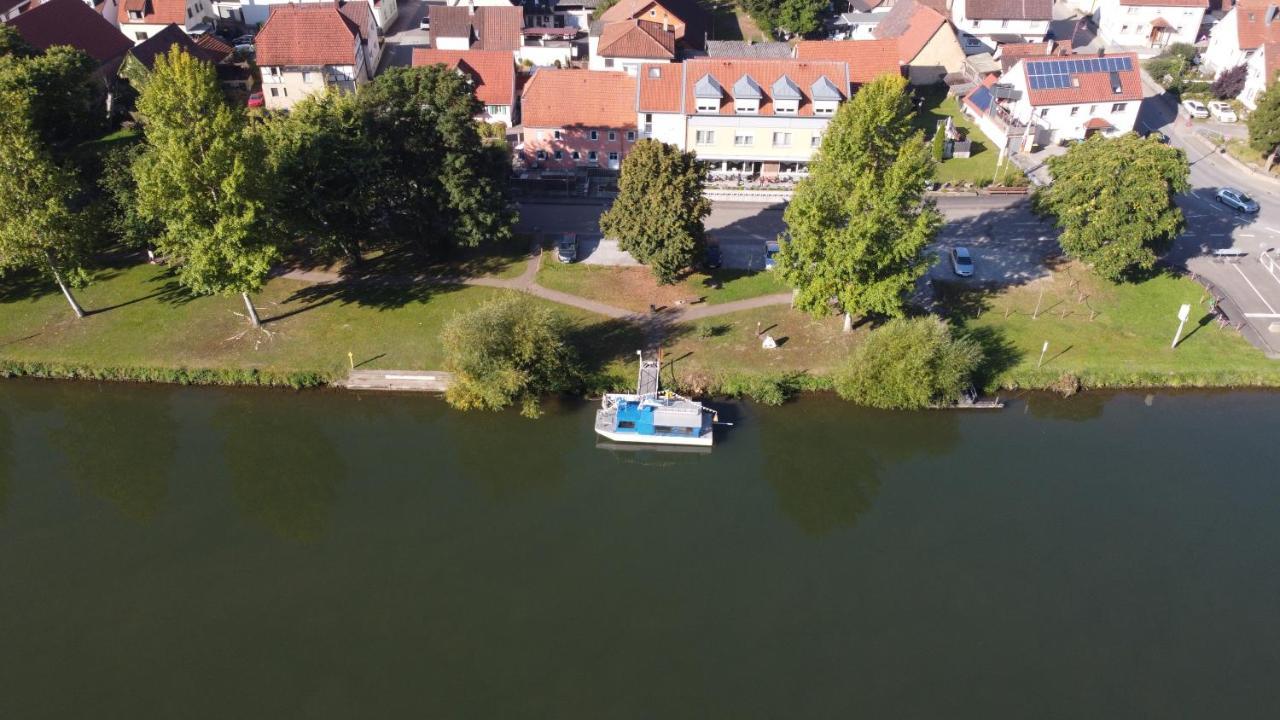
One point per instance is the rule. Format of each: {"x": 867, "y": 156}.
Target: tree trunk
{"x": 66, "y": 291}
{"x": 253, "y": 311}
{"x": 848, "y": 323}
{"x": 1271, "y": 159}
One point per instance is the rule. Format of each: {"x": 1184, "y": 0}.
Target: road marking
{"x": 1247, "y": 235}
{"x": 1262, "y": 315}
{"x": 1255, "y": 289}
{"x": 1272, "y": 230}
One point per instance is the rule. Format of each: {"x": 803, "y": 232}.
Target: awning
{"x": 1098, "y": 124}
{"x": 1161, "y": 24}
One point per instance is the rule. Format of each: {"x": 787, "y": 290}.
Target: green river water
{"x": 210, "y": 553}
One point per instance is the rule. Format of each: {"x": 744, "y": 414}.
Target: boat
{"x": 652, "y": 416}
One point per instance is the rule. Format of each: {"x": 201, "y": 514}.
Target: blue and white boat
{"x": 653, "y": 417}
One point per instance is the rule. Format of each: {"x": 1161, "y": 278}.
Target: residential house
{"x": 1009, "y": 55}
{"x": 577, "y": 119}
{"x": 496, "y": 27}
{"x": 141, "y": 59}
{"x": 742, "y": 116}
{"x": 256, "y": 12}
{"x": 74, "y": 23}
{"x": 559, "y": 13}
{"x": 858, "y": 25}
{"x": 627, "y": 44}
{"x": 492, "y": 74}
{"x": 927, "y": 44}
{"x": 1047, "y": 100}
{"x": 1149, "y": 23}
{"x": 984, "y": 24}
{"x": 140, "y": 19}
{"x": 688, "y": 19}
{"x": 1241, "y": 33}
{"x": 867, "y": 59}
{"x": 1260, "y": 72}
{"x": 10, "y": 9}
{"x": 304, "y": 49}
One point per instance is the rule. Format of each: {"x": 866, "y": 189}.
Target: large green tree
{"x": 660, "y": 208}
{"x": 440, "y": 186}
{"x": 909, "y": 364}
{"x": 40, "y": 227}
{"x": 1264, "y": 124}
{"x": 203, "y": 179}
{"x": 65, "y": 103}
{"x": 508, "y": 351}
{"x": 1113, "y": 200}
{"x": 859, "y": 225}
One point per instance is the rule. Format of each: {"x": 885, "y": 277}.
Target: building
{"x": 927, "y": 44}
{"x": 74, "y": 23}
{"x": 304, "y": 49}
{"x": 10, "y": 9}
{"x": 1047, "y": 100}
{"x": 1009, "y": 55}
{"x": 626, "y": 45}
{"x": 1240, "y": 34}
{"x": 577, "y": 119}
{"x": 756, "y": 50}
{"x": 982, "y": 25}
{"x": 140, "y": 19}
{"x": 1150, "y": 23}
{"x": 687, "y": 19}
{"x": 490, "y": 27}
{"x": 256, "y": 12}
{"x": 1260, "y": 73}
{"x": 858, "y": 25}
{"x": 492, "y": 74}
{"x": 743, "y": 116}
{"x": 866, "y": 59}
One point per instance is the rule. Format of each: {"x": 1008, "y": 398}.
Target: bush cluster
{"x": 909, "y": 364}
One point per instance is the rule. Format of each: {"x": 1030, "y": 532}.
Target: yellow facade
{"x": 729, "y": 141}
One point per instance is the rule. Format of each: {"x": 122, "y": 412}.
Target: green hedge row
{"x": 176, "y": 376}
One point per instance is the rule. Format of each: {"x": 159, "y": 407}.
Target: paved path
{"x": 398, "y": 380}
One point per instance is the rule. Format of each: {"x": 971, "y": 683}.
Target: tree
{"x": 202, "y": 178}
{"x": 1230, "y": 82}
{"x": 858, "y": 226}
{"x": 506, "y": 351}
{"x": 659, "y": 211}
{"x": 800, "y": 17}
{"x": 64, "y": 106}
{"x": 323, "y": 160}
{"x": 12, "y": 42}
{"x": 120, "y": 189}
{"x": 440, "y": 186}
{"x": 1264, "y": 124}
{"x": 1113, "y": 200}
{"x": 909, "y": 364}
{"x": 40, "y": 227}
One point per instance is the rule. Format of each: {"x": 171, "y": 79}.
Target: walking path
{"x": 527, "y": 282}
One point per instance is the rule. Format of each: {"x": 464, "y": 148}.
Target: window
{"x": 559, "y": 154}
{"x": 135, "y": 14}
{"x": 542, "y": 154}
{"x": 188, "y": 13}
{"x": 1075, "y": 109}
{"x": 613, "y": 135}
{"x": 557, "y": 134}
{"x": 815, "y": 141}
{"x": 306, "y": 76}
{"x": 495, "y": 109}
{"x": 1044, "y": 112}
{"x": 785, "y": 107}
{"x": 708, "y": 105}
{"x": 575, "y": 155}
{"x": 631, "y": 136}
{"x": 746, "y": 107}
{"x": 541, "y": 135}
{"x": 1004, "y": 23}
{"x": 592, "y": 156}
{"x": 275, "y": 92}
{"x": 1093, "y": 109}
{"x": 705, "y": 137}
{"x": 655, "y": 72}
{"x": 1118, "y": 107}
{"x": 608, "y": 62}
{"x": 595, "y": 134}
{"x": 140, "y": 35}
{"x": 743, "y": 139}
{"x": 782, "y": 139}
{"x": 613, "y": 157}
{"x": 824, "y": 107}
{"x": 648, "y": 117}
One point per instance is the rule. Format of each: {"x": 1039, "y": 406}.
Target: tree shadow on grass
{"x": 22, "y": 284}
{"x": 999, "y": 355}
{"x": 386, "y": 282}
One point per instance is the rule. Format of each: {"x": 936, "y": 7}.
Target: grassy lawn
{"x": 634, "y": 288}
{"x": 730, "y": 22}
{"x": 1126, "y": 343}
{"x": 143, "y": 320}
{"x": 981, "y": 164}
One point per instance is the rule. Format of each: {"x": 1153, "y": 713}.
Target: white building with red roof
{"x": 256, "y": 12}
{"x": 492, "y": 74}
{"x": 743, "y": 116}
{"x": 1248, "y": 35}
{"x": 577, "y": 119}
{"x": 1046, "y": 100}
{"x": 1150, "y": 23}
{"x": 304, "y": 49}
{"x": 984, "y": 25}
{"x": 140, "y": 19}
{"x": 627, "y": 44}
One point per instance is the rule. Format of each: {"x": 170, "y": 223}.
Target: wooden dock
{"x": 398, "y": 380}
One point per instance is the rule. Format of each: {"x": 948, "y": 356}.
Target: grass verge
{"x": 634, "y": 288}
{"x": 980, "y": 166}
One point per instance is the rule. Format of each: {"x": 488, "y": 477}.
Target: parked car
{"x": 712, "y": 259}
{"x": 243, "y": 40}
{"x": 962, "y": 261}
{"x": 1195, "y": 109}
{"x": 425, "y": 22}
{"x": 1237, "y": 200}
{"x": 771, "y": 249}
{"x": 256, "y": 100}
{"x": 1222, "y": 112}
{"x": 567, "y": 248}
{"x": 245, "y": 50}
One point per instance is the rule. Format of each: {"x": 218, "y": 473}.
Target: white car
{"x": 961, "y": 262}
{"x": 1222, "y": 112}
{"x": 1195, "y": 109}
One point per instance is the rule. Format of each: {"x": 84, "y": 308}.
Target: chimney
{"x": 471, "y": 7}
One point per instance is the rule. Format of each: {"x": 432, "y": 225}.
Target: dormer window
{"x": 786, "y": 96}
{"x": 708, "y": 94}
{"x": 826, "y": 96}
{"x": 135, "y": 14}
{"x": 747, "y": 96}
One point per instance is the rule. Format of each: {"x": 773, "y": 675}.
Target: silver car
{"x": 962, "y": 261}
{"x": 1237, "y": 200}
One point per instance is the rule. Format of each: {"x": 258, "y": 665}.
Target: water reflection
{"x": 285, "y": 469}
{"x": 826, "y": 470}
{"x": 512, "y": 454}
{"x": 6, "y": 455}
{"x": 1078, "y": 408}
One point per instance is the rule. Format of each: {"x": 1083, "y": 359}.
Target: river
{"x": 216, "y": 553}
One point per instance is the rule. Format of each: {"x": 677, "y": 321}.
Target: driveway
{"x": 404, "y": 34}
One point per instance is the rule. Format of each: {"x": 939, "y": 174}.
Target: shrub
{"x": 507, "y": 351}
{"x": 1229, "y": 83}
{"x": 939, "y": 144}
{"x": 909, "y": 364}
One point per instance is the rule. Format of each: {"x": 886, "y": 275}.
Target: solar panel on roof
{"x": 981, "y": 98}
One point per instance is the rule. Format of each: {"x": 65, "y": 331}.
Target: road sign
{"x": 1184, "y": 313}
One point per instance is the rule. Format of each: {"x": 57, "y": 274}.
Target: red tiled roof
{"x": 496, "y": 28}
{"x": 694, "y": 16}
{"x": 586, "y": 98}
{"x": 728, "y": 71}
{"x": 493, "y": 71}
{"x": 1167, "y": 3}
{"x": 154, "y": 12}
{"x": 214, "y": 46}
{"x": 71, "y": 22}
{"x": 1252, "y": 28}
{"x": 1013, "y": 52}
{"x": 637, "y": 39}
{"x": 1009, "y": 9}
{"x": 1098, "y": 124}
{"x": 867, "y": 59}
{"x": 913, "y": 24}
{"x": 309, "y": 34}
{"x": 162, "y": 42}
{"x": 1094, "y": 87}
{"x": 659, "y": 87}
